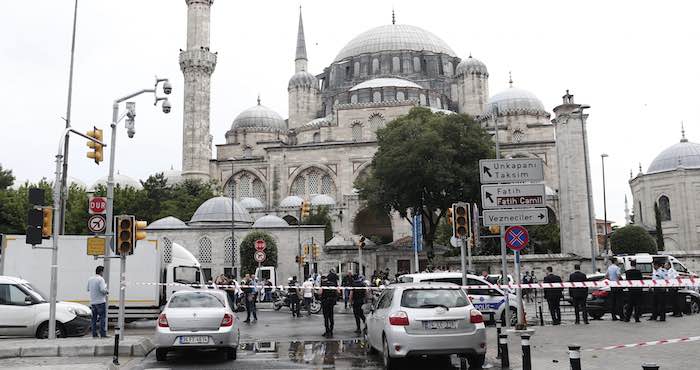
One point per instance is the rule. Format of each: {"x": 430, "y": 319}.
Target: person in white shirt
{"x": 97, "y": 288}
{"x": 613, "y": 274}
{"x": 671, "y": 273}
{"x": 659, "y": 297}
{"x": 308, "y": 293}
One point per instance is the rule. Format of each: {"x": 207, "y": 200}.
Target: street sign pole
{"x": 504, "y": 277}
{"x": 519, "y": 293}
{"x": 461, "y": 258}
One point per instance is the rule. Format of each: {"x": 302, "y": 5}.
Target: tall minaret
{"x": 628, "y": 217}
{"x": 304, "y": 94}
{"x": 197, "y": 64}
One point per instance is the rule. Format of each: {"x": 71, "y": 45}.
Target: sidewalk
{"x": 72, "y": 347}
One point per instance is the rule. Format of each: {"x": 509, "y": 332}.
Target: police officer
{"x": 329, "y": 296}
{"x": 553, "y": 296}
{"x": 357, "y": 299}
{"x": 659, "y": 297}
{"x": 579, "y": 295}
{"x": 635, "y": 294}
{"x": 293, "y": 296}
{"x": 673, "y": 292}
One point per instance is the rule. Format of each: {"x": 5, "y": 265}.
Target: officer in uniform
{"x": 660, "y": 273}
{"x": 579, "y": 295}
{"x": 635, "y": 294}
{"x": 329, "y": 296}
{"x": 357, "y": 299}
{"x": 553, "y": 296}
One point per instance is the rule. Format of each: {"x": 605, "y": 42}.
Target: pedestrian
{"x": 673, "y": 291}
{"x": 307, "y": 289}
{"x": 358, "y": 296}
{"x": 615, "y": 301}
{"x": 526, "y": 291}
{"x": 97, "y": 288}
{"x": 249, "y": 298}
{"x": 293, "y": 296}
{"x": 579, "y": 295}
{"x": 659, "y": 297}
{"x": 329, "y": 296}
{"x": 332, "y": 277}
{"x": 533, "y": 280}
{"x": 224, "y": 283}
{"x": 635, "y": 294}
{"x": 346, "y": 282}
{"x": 553, "y": 296}
{"x": 268, "y": 291}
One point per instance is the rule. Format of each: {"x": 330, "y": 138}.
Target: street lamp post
{"x": 605, "y": 211}
{"x": 234, "y": 258}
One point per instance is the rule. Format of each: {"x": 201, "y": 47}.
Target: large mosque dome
{"x": 394, "y": 37}
{"x": 259, "y": 118}
{"x": 120, "y": 180}
{"x": 218, "y": 210}
{"x": 681, "y": 155}
{"x": 515, "y": 101}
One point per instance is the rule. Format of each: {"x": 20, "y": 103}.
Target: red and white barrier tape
{"x": 646, "y": 344}
{"x": 679, "y": 282}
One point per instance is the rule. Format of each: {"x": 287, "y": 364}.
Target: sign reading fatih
{"x": 507, "y": 217}
{"x": 494, "y": 171}
{"x": 513, "y": 196}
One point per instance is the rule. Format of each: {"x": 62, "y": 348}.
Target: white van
{"x": 491, "y": 301}
{"x": 645, "y": 263}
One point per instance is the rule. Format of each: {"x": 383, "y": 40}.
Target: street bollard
{"x": 525, "y": 343}
{"x": 115, "y": 358}
{"x": 575, "y": 357}
{"x": 503, "y": 345}
{"x": 539, "y": 303}
{"x": 498, "y": 343}
{"x": 650, "y": 366}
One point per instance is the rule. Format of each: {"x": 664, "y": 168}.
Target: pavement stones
{"x": 74, "y": 347}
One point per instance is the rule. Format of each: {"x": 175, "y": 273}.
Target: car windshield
{"x": 35, "y": 292}
{"x": 186, "y": 275}
{"x": 196, "y": 300}
{"x": 405, "y": 279}
{"x": 430, "y": 298}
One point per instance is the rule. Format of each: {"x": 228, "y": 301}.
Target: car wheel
{"x": 231, "y": 353}
{"x": 315, "y": 307}
{"x": 43, "y": 331}
{"x": 161, "y": 354}
{"x": 595, "y": 315}
{"x": 695, "y": 307}
{"x": 390, "y": 363}
{"x": 476, "y": 361}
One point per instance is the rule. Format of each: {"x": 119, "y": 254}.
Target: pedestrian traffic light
{"x": 125, "y": 234}
{"x": 96, "y": 153}
{"x": 35, "y": 220}
{"x": 305, "y": 209}
{"x": 315, "y": 250}
{"x": 306, "y": 249}
{"x": 47, "y": 222}
{"x": 461, "y": 220}
{"x": 362, "y": 242}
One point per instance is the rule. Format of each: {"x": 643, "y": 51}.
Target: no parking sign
{"x": 517, "y": 238}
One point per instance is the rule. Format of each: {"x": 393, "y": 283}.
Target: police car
{"x": 490, "y": 301}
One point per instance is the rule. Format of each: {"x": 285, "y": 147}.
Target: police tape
{"x": 645, "y": 344}
{"x": 667, "y": 283}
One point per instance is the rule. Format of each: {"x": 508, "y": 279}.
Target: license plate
{"x": 442, "y": 324}
{"x": 194, "y": 339}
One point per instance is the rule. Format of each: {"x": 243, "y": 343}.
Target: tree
{"x": 424, "y": 162}
{"x": 545, "y": 238}
{"x": 248, "y": 264}
{"x": 659, "y": 229}
{"x": 7, "y": 179}
{"x": 321, "y": 216}
{"x": 632, "y": 239}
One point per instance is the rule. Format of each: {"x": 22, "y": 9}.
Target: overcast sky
{"x": 635, "y": 62}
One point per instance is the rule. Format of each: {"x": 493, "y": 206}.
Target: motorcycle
{"x": 280, "y": 299}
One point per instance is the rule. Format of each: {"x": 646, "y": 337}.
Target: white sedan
{"x": 197, "y": 320}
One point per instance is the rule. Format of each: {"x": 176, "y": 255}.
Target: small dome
{"x": 270, "y": 221}
{"x": 322, "y": 200}
{"x": 120, "y": 180}
{"x": 385, "y": 82}
{"x": 394, "y": 37}
{"x": 169, "y": 222}
{"x": 684, "y": 154}
{"x": 515, "y": 101}
{"x": 291, "y": 201}
{"x": 174, "y": 177}
{"x": 251, "y": 203}
{"x": 303, "y": 79}
{"x": 218, "y": 209}
{"x": 77, "y": 182}
{"x": 259, "y": 118}
{"x": 471, "y": 65}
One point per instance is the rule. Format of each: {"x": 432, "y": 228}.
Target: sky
{"x": 634, "y": 62}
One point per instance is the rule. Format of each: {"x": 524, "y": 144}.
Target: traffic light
{"x": 315, "y": 250}
{"x": 362, "y": 242}
{"x": 34, "y": 224}
{"x": 461, "y": 220}
{"x": 301, "y": 260}
{"x": 306, "y": 249}
{"x": 140, "y": 230}
{"x": 96, "y": 153}
{"x": 125, "y": 234}
{"x": 450, "y": 216}
{"x": 47, "y": 222}
{"x": 305, "y": 209}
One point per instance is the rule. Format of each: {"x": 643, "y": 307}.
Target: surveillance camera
{"x": 167, "y": 87}
{"x": 130, "y": 132}
{"x": 166, "y": 106}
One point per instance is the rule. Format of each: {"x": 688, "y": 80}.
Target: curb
{"x": 136, "y": 348}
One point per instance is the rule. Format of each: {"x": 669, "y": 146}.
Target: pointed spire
{"x": 683, "y": 139}
{"x": 300, "y": 59}
{"x": 258, "y": 98}
{"x": 640, "y": 167}
{"x": 393, "y": 16}
{"x": 470, "y": 54}
{"x": 510, "y": 78}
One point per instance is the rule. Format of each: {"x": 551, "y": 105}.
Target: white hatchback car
{"x": 416, "y": 319}
{"x": 198, "y": 320}
{"x": 24, "y": 311}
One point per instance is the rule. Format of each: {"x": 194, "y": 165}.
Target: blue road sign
{"x": 417, "y": 233}
{"x": 517, "y": 237}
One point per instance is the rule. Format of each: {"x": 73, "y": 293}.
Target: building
{"x": 603, "y": 229}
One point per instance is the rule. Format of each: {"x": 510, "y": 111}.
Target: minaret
{"x": 628, "y": 218}
{"x": 577, "y": 223}
{"x": 197, "y": 64}
{"x": 472, "y": 85}
{"x": 304, "y": 94}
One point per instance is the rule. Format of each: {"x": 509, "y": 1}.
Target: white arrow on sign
{"x": 510, "y": 217}
{"x": 96, "y": 223}
{"x": 513, "y": 196}
{"x": 511, "y": 170}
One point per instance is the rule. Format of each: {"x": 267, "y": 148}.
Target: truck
{"x": 150, "y": 282}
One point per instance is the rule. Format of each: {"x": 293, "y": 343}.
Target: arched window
{"x": 449, "y": 68}
{"x": 518, "y": 136}
{"x": 395, "y": 65}
{"x": 326, "y": 184}
{"x": 204, "y": 253}
{"x": 258, "y": 190}
{"x": 640, "y": 214}
{"x": 317, "y": 137}
{"x": 400, "y": 95}
{"x": 376, "y": 120}
{"x": 375, "y": 66}
{"x": 423, "y": 101}
{"x": 407, "y": 66}
{"x": 357, "y": 131}
{"x": 247, "y": 152}
{"x": 438, "y": 103}
{"x": 228, "y": 251}
{"x": 246, "y": 185}
{"x": 353, "y": 98}
{"x": 312, "y": 181}
{"x": 377, "y": 96}
{"x": 664, "y": 208}
{"x": 356, "y": 69}
{"x": 291, "y": 220}
{"x": 167, "y": 253}
{"x": 416, "y": 64}
{"x": 299, "y": 186}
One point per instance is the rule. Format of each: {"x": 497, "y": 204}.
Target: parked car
{"x": 597, "y": 302}
{"x": 434, "y": 319}
{"x": 24, "y": 311}
{"x": 198, "y": 320}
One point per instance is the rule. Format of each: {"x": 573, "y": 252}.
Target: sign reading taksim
{"x": 513, "y": 196}
{"x": 517, "y": 238}
{"x": 511, "y": 170}
{"x": 527, "y": 216}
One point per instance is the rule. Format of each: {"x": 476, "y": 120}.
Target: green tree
{"x": 659, "y": 230}
{"x": 76, "y": 211}
{"x": 425, "y": 161}
{"x": 7, "y": 179}
{"x": 632, "y": 239}
{"x": 248, "y": 264}
{"x": 14, "y": 205}
{"x": 545, "y": 238}
{"x": 321, "y": 216}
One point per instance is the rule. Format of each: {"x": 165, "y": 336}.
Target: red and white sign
{"x": 517, "y": 237}
{"x": 259, "y": 256}
{"x": 97, "y": 205}
{"x": 260, "y": 245}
